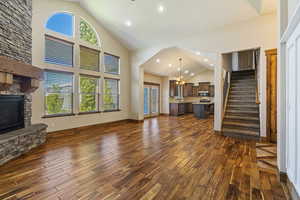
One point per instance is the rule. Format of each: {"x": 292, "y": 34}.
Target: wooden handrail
{"x": 228, "y": 75}
{"x": 256, "y": 79}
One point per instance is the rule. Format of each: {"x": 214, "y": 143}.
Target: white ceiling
{"x": 191, "y": 62}
{"x": 181, "y": 19}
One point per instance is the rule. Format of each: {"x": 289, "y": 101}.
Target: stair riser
{"x": 241, "y": 89}
{"x": 242, "y": 114}
{"x": 241, "y": 136}
{"x": 241, "y": 120}
{"x": 245, "y": 110}
{"x": 256, "y": 129}
{"x": 242, "y": 78}
{"x": 237, "y": 102}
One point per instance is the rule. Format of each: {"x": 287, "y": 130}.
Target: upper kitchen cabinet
{"x": 195, "y": 91}
{"x": 173, "y": 88}
{"x": 204, "y": 86}
{"x": 188, "y": 90}
{"x": 211, "y": 91}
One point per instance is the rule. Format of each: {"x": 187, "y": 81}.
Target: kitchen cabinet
{"x": 204, "y": 86}
{"x": 173, "y": 88}
{"x": 188, "y": 90}
{"x": 189, "y": 108}
{"x": 195, "y": 91}
{"x": 177, "y": 109}
{"x": 211, "y": 91}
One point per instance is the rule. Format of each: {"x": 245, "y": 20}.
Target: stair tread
{"x": 242, "y": 111}
{"x": 244, "y": 124}
{"x": 243, "y": 105}
{"x": 233, "y": 117}
{"x": 241, "y": 132}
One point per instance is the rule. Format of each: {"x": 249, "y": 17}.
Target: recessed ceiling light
{"x": 198, "y": 53}
{"x": 205, "y": 60}
{"x": 158, "y": 60}
{"x": 161, "y": 8}
{"x": 170, "y": 65}
{"x": 212, "y": 65}
{"x": 178, "y": 69}
{"x": 186, "y": 71}
{"x": 128, "y": 23}
{"x": 192, "y": 74}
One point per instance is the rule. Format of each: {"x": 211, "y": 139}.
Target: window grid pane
{"x": 89, "y": 98}
{"x": 87, "y": 33}
{"x": 58, "y": 93}
{"x": 58, "y": 52}
{"x": 111, "y": 94}
{"x": 111, "y": 64}
{"x": 61, "y": 23}
{"x": 89, "y": 59}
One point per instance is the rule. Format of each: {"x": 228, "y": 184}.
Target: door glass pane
{"x": 146, "y": 101}
{"x": 154, "y": 100}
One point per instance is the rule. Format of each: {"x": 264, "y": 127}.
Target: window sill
{"x": 88, "y": 113}
{"x": 106, "y": 111}
{"x": 58, "y": 115}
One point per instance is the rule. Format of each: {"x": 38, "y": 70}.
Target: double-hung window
{"x": 111, "y": 94}
{"x": 111, "y": 64}
{"x": 58, "y": 52}
{"x": 58, "y": 93}
{"x": 89, "y": 97}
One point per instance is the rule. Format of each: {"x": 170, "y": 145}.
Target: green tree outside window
{"x": 53, "y": 101}
{"x": 87, "y": 33}
{"x": 88, "y": 89}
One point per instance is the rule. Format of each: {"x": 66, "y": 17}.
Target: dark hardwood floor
{"x": 162, "y": 158}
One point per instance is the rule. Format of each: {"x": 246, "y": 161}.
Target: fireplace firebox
{"x": 11, "y": 113}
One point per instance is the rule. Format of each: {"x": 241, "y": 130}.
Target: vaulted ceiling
{"x": 179, "y": 19}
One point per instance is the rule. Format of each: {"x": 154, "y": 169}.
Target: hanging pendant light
{"x": 180, "y": 80}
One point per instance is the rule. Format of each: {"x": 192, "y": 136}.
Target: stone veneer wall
{"x": 15, "y": 29}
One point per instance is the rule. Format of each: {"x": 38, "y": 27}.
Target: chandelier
{"x": 179, "y": 80}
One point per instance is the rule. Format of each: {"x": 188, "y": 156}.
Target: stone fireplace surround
{"x": 17, "y": 78}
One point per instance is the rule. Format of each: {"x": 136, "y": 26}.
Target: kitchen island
{"x": 202, "y": 109}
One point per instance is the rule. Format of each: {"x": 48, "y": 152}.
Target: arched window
{"x": 87, "y": 33}
{"x": 62, "y": 23}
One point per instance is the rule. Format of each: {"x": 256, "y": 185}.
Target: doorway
{"x": 272, "y": 95}
{"x": 151, "y": 99}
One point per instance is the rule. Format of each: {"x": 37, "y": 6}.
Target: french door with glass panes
{"x": 151, "y": 100}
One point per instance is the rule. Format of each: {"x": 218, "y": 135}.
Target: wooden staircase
{"x": 241, "y": 118}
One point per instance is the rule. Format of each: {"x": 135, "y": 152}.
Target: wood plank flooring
{"x": 163, "y": 158}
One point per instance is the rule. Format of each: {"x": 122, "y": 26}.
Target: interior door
{"x": 151, "y": 100}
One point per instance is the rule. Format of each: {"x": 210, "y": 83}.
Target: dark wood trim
{"x": 88, "y": 113}
{"x": 83, "y": 128}
{"x": 218, "y": 132}
{"x": 136, "y": 120}
{"x": 58, "y": 115}
{"x": 150, "y": 83}
{"x": 269, "y": 53}
{"x": 107, "y": 111}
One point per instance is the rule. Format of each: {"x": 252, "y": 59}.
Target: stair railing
{"x": 226, "y": 90}
{"x": 256, "y": 61}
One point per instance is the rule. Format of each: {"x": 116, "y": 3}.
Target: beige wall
{"x": 205, "y": 76}
{"x": 42, "y": 10}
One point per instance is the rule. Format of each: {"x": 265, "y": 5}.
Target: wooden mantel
{"x": 30, "y": 74}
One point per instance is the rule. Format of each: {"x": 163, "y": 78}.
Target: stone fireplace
{"x": 17, "y": 135}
